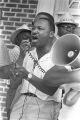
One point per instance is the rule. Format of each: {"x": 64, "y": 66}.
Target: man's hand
{"x": 21, "y": 72}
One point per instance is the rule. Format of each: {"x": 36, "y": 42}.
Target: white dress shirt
{"x": 46, "y": 63}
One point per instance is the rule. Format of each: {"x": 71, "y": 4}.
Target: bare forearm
{"x": 3, "y": 74}
{"x": 54, "y": 78}
{"x": 38, "y": 83}
{"x": 6, "y": 71}
{"x": 59, "y": 77}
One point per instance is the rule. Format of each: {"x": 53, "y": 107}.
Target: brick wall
{"x": 14, "y": 14}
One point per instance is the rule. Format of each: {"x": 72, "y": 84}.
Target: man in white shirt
{"x": 40, "y": 100}
{"x": 34, "y": 104}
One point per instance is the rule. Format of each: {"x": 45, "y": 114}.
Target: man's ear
{"x": 51, "y": 34}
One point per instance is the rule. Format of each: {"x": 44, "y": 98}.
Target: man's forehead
{"x": 39, "y": 17}
{"x": 40, "y": 22}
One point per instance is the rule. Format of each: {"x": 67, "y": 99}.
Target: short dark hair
{"x": 48, "y": 17}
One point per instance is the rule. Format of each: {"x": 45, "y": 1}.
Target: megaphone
{"x": 66, "y": 51}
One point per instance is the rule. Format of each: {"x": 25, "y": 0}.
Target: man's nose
{"x": 35, "y": 31}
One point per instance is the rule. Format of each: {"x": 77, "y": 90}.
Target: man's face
{"x": 66, "y": 28}
{"x": 40, "y": 33}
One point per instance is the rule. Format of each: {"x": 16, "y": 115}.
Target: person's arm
{"x": 59, "y": 75}
{"x": 9, "y": 72}
{"x": 37, "y": 82}
{"x": 54, "y": 77}
{"x": 6, "y": 71}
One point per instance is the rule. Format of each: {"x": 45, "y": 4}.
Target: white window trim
{"x": 46, "y": 6}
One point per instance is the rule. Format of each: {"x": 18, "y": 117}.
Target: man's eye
{"x": 33, "y": 28}
{"x": 40, "y": 28}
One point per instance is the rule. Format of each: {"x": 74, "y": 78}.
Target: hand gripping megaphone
{"x": 66, "y": 51}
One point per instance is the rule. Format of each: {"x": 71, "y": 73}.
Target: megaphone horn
{"x": 66, "y": 51}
